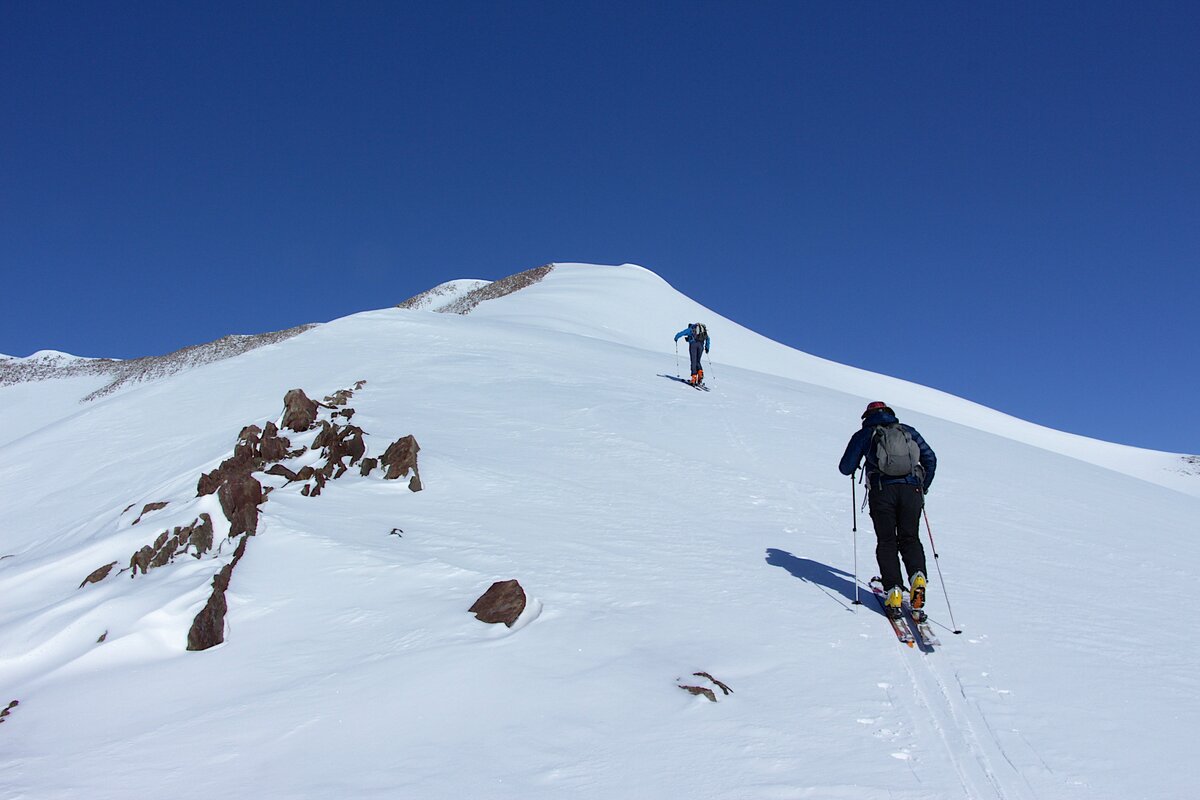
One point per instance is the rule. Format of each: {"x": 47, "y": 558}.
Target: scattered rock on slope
{"x": 502, "y": 602}
{"x": 401, "y": 458}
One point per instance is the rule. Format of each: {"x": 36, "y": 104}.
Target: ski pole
{"x": 853, "y": 504}
{"x": 854, "y": 530}
{"x": 677, "y": 358}
{"x": 938, "y": 564}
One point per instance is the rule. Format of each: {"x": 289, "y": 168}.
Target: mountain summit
{"x": 497, "y": 552}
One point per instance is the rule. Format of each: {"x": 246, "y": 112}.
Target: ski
{"x": 697, "y": 386}
{"x": 898, "y": 625}
{"x": 920, "y": 621}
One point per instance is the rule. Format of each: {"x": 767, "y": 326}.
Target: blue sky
{"x": 1001, "y": 200}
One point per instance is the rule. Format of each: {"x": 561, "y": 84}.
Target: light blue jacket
{"x": 686, "y": 333}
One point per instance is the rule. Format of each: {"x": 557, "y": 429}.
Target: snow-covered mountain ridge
{"x": 658, "y": 532}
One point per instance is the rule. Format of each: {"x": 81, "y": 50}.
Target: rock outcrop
{"x": 196, "y": 537}
{"x": 259, "y": 453}
{"x": 146, "y": 509}
{"x": 208, "y": 628}
{"x": 299, "y": 412}
{"x": 98, "y": 574}
{"x": 401, "y": 458}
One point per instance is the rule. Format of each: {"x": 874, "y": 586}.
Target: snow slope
{"x": 658, "y": 532}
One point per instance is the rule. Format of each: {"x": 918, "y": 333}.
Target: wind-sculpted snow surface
{"x": 667, "y": 542}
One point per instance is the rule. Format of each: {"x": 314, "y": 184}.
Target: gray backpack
{"x": 896, "y": 453}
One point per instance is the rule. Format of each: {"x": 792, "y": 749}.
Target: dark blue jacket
{"x": 860, "y": 448}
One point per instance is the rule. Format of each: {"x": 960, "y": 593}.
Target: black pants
{"x": 896, "y": 514}
{"x": 695, "y": 349}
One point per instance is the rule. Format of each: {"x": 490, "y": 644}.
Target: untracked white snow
{"x": 658, "y": 532}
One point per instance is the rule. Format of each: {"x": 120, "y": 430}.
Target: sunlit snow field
{"x": 658, "y": 531}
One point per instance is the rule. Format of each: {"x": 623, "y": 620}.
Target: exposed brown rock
{"x": 502, "y": 602}
{"x": 209, "y": 482}
{"x": 208, "y": 628}
{"x": 8, "y": 709}
{"x": 141, "y": 560}
{"x": 98, "y": 574}
{"x": 340, "y": 397}
{"x": 198, "y": 535}
{"x": 240, "y": 498}
{"x": 724, "y": 689}
{"x": 146, "y": 509}
{"x": 272, "y": 446}
{"x": 243, "y": 461}
{"x": 367, "y": 465}
{"x": 299, "y": 412}
{"x": 704, "y": 690}
{"x": 103, "y": 636}
{"x": 283, "y": 472}
{"x": 248, "y": 440}
{"x": 700, "y": 690}
{"x": 167, "y": 546}
{"x": 401, "y": 458}
{"x": 338, "y": 444}
{"x": 162, "y": 553}
{"x": 326, "y": 437}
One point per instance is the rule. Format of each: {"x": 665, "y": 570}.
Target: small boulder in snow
{"x": 401, "y": 458}
{"x": 502, "y": 602}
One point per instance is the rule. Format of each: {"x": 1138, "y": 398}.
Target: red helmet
{"x": 877, "y": 406}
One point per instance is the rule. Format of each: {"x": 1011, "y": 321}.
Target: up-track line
{"x": 984, "y": 769}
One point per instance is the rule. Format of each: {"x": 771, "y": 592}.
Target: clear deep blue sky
{"x": 1001, "y": 200}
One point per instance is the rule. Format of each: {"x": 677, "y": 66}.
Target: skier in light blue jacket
{"x": 696, "y": 335}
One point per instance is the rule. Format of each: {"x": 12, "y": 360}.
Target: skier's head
{"x": 877, "y": 406}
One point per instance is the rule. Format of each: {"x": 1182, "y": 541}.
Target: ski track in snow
{"x": 983, "y": 767}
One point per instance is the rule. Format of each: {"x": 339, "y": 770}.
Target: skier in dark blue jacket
{"x": 696, "y": 335}
{"x": 896, "y": 492}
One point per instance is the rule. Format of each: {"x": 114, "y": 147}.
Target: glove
{"x": 705, "y": 348}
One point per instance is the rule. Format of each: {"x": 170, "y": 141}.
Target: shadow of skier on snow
{"x": 830, "y": 580}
